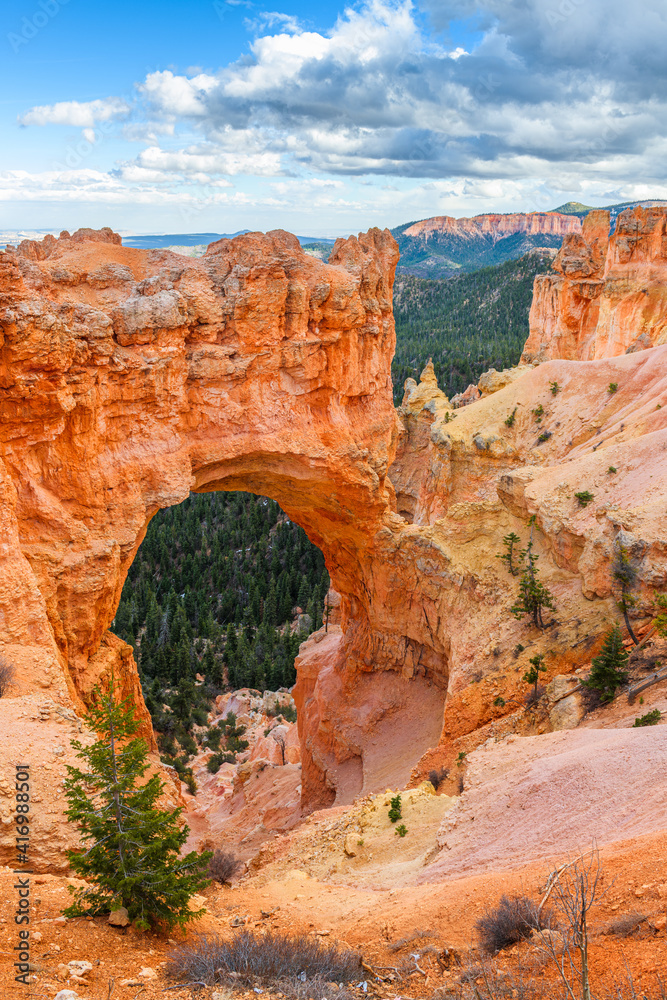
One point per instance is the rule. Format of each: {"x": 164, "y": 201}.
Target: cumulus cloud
{"x": 568, "y": 93}
{"x": 82, "y": 114}
{"x": 553, "y": 85}
{"x": 178, "y": 96}
{"x": 209, "y": 161}
{"x": 95, "y": 186}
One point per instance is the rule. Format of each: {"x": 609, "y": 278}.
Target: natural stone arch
{"x": 135, "y": 377}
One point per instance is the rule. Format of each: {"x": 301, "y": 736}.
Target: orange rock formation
{"x": 498, "y": 226}
{"x": 132, "y": 377}
{"x": 609, "y": 295}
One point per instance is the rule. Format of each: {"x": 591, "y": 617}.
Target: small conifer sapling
{"x": 509, "y": 557}
{"x": 533, "y": 596}
{"x": 532, "y": 676}
{"x": 660, "y": 621}
{"x": 131, "y": 856}
{"x": 395, "y": 811}
{"x": 608, "y": 669}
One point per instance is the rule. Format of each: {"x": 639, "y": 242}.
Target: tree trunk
{"x": 627, "y": 622}
{"x": 583, "y": 948}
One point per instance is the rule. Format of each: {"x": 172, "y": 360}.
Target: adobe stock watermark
{"x": 224, "y": 7}
{"x": 31, "y": 26}
{"x": 23, "y": 872}
{"x": 564, "y": 10}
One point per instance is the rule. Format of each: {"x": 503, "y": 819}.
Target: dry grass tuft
{"x": 625, "y": 925}
{"x": 250, "y": 960}
{"x": 6, "y": 675}
{"x": 512, "y": 920}
{"x": 417, "y": 935}
{"x": 223, "y": 866}
{"x": 436, "y": 777}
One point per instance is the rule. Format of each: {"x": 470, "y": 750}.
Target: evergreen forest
{"x": 467, "y": 324}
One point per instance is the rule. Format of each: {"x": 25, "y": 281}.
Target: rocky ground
{"x": 400, "y": 932}
{"x": 516, "y": 808}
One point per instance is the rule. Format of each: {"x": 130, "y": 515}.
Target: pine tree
{"x": 153, "y": 620}
{"x": 132, "y": 847}
{"x": 532, "y": 676}
{"x": 210, "y": 668}
{"x": 304, "y": 594}
{"x": 626, "y": 575}
{"x": 533, "y": 596}
{"x": 608, "y": 671}
{"x": 508, "y": 557}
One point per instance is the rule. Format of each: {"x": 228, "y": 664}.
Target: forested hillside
{"x": 466, "y": 324}
{"x": 446, "y": 255}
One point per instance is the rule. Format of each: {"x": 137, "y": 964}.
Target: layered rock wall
{"x": 609, "y": 294}
{"x": 497, "y": 227}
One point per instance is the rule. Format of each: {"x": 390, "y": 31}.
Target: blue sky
{"x": 325, "y": 118}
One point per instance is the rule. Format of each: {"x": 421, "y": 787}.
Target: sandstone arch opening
{"x": 221, "y": 593}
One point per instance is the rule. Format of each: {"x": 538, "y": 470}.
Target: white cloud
{"x": 374, "y": 95}
{"x": 210, "y": 160}
{"x": 271, "y": 18}
{"x": 178, "y": 96}
{"x": 97, "y": 186}
{"x": 80, "y": 114}
{"x": 535, "y": 109}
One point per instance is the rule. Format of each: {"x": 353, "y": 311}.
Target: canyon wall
{"x": 497, "y": 226}
{"x": 609, "y": 293}
{"x": 131, "y": 378}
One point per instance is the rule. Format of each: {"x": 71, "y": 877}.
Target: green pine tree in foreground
{"x": 608, "y": 671}
{"x": 131, "y": 857}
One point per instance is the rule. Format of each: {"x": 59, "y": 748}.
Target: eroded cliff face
{"x": 609, "y": 295}
{"x": 131, "y": 378}
{"x": 498, "y": 226}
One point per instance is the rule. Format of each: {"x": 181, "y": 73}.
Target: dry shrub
{"x": 306, "y": 989}
{"x": 6, "y": 676}
{"x": 625, "y": 925}
{"x": 250, "y": 959}
{"x": 223, "y": 866}
{"x": 512, "y": 920}
{"x": 436, "y": 777}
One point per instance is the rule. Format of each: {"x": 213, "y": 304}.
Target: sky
{"x": 325, "y": 118}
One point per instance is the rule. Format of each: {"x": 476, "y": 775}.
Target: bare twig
{"x": 553, "y": 879}
{"x": 576, "y": 887}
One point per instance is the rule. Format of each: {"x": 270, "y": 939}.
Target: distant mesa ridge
{"x": 442, "y": 246}
{"x": 497, "y": 226}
